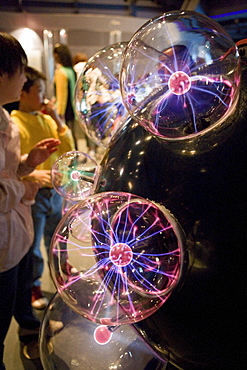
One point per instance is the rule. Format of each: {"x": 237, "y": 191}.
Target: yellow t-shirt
{"x": 36, "y": 127}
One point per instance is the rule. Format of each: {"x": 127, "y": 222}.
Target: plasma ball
{"x": 75, "y": 175}
{"x": 121, "y": 254}
{"x": 102, "y": 335}
{"x": 179, "y": 83}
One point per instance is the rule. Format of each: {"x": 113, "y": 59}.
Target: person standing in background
{"x": 16, "y": 227}
{"x": 65, "y": 81}
{"x": 35, "y": 125}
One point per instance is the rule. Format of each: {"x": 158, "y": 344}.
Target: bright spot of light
{"x": 62, "y": 32}
{"x": 28, "y": 39}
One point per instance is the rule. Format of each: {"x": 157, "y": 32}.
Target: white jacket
{"x": 16, "y": 226}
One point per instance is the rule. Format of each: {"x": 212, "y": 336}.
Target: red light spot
{"x": 102, "y": 335}
{"x": 179, "y": 83}
{"x": 121, "y": 254}
{"x": 75, "y": 175}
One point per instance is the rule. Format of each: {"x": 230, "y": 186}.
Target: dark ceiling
{"x": 120, "y": 6}
{"x": 231, "y": 14}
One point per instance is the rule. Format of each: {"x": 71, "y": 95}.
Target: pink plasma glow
{"x": 102, "y": 335}
{"x": 179, "y": 83}
{"x": 75, "y": 175}
{"x": 127, "y": 255}
{"x": 121, "y": 254}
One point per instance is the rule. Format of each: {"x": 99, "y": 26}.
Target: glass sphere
{"x": 69, "y": 341}
{"x": 98, "y": 99}
{"x": 180, "y": 75}
{"x": 73, "y": 175}
{"x": 67, "y": 204}
{"x": 116, "y": 257}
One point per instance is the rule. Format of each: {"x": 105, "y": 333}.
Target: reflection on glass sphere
{"x": 67, "y": 204}
{"x": 74, "y": 174}
{"x": 67, "y": 341}
{"x": 97, "y": 96}
{"x": 180, "y": 75}
{"x": 116, "y": 257}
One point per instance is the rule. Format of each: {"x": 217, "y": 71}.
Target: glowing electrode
{"x": 121, "y": 254}
{"x": 75, "y": 175}
{"x": 179, "y": 83}
{"x": 102, "y": 335}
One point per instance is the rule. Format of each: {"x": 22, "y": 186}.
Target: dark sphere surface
{"x": 202, "y": 181}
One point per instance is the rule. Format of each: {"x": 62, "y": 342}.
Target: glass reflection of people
{"x": 65, "y": 81}
{"x": 79, "y": 61}
{"x": 99, "y": 99}
{"x": 16, "y": 227}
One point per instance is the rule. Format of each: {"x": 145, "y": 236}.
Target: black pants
{"x": 15, "y": 299}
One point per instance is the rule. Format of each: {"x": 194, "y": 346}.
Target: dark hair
{"x": 64, "y": 55}
{"x": 32, "y": 76}
{"x": 12, "y": 55}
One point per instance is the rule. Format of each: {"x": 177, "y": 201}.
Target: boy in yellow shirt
{"x": 38, "y": 120}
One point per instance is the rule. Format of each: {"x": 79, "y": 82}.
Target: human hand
{"x": 43, "y": 177}
{"x": 50, "y": 109}
{"x": 42, "y": 150}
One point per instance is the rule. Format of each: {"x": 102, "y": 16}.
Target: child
{"x": 16, "y": 231}
{"x": 35, "y": 125}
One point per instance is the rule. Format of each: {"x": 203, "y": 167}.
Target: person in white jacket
{"x": 16, "y": 228}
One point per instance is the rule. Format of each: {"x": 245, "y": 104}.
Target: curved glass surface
{"x": 69, "y": 341}
{"x": 98, "y": 99}
{"x": 73, "y": 175}
{"x": 116, "y": 257}
{"x": 180, "y": 75}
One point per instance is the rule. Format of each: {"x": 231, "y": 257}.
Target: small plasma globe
{"x": 180, "y": 75}
{"x": 73, "y": 175}
{"x": 115, "y": 257}
{"x": 67, "y": 341}
{"x": 98, "y": 99}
